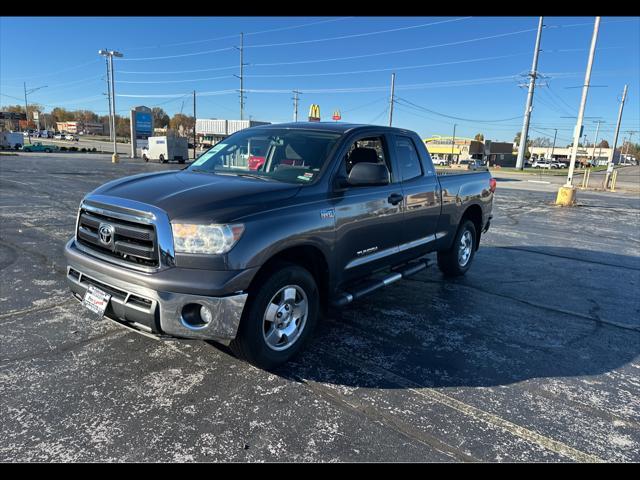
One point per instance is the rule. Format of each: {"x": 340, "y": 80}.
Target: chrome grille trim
{"x": 161, "y": 252}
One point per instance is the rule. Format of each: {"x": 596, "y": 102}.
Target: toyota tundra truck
{"x": 251, "y": 258}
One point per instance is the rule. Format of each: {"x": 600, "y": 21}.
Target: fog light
{"x": 206, "y": 315}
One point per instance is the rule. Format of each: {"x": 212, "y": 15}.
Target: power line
{"x": 235, "y": 35}
{"x": 391, "y": 52}
{"x": 428, "y": 65}
{"x": 451, "y": 116}
{"x": 355, "y": 35}
{"x": 178, "y": 81}
{"x": 176, "y": 56}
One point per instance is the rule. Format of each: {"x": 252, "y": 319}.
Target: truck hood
{"x": 195, "y": 196}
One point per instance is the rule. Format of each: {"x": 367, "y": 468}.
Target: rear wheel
{"x": 145, "y": 158}
{"x": 457, "y": 260}
{"x": 162, "y": 160}
{"x": 279, "y": 317}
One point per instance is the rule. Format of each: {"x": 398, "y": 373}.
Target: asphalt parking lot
{"x": 533, "y": 356}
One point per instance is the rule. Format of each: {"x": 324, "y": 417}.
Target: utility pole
{"x": 583, "y": 102}
{"x": 26, "y": 105}
{"x": 554, "y": 142}
{"x": 295, "y": 105}
{"x": 391, "y": 99}
{"x": 241, "y": 77}
{"x": 109, "y": 54}
{"x": 593, "y": 152}
{"x": 453, "y": 142}
{"x": 26, "y": 110}
{"x": 615, "y": 140}
{"x": 194, "y": 124}
{"x": 626, "y": 150}
{"x": 522, "y": 148}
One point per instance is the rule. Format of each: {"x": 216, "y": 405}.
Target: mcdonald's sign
{"x": 314, "y": 113}
{"x": 336, "y": 115}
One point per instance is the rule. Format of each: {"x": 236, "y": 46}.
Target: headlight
{"x": 212, "y": 239}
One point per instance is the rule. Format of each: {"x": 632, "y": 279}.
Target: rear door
{"x": 421, "y": 191}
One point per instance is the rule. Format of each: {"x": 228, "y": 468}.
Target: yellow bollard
{"x": 566, "y": 196}
{"x": 614, "y": 177}
{"x": 114, "y": 158}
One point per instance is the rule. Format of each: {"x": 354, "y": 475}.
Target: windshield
{"x": 293, "y": 156}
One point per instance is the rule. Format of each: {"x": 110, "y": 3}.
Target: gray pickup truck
{"x": 259, "y": 235}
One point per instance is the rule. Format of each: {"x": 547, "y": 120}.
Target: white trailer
{"x": 166, "y": 149}
{"x": 11, "y": 140}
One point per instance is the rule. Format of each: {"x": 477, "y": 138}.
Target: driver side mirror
{"x": 368, "y": 174}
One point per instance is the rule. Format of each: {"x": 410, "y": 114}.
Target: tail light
{"x": 492, "y": 184}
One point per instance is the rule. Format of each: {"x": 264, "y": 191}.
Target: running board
{"x": 362, "y": 289}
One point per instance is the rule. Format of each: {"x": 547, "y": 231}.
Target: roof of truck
{"x": 338, "y": 127}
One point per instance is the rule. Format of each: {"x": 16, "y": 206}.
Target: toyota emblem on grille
{"x": 106, "y": 233}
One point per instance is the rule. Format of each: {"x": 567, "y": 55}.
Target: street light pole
{"x": 109, "y": 54}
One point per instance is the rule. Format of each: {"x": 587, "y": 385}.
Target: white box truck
{"x": 166, "y": 149}
{"x": 11, "y": 140}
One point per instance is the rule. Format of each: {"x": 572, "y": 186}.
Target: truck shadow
{"x": 516, "y": 315}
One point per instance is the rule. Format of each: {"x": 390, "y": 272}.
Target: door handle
{"x": 395, "y": 198}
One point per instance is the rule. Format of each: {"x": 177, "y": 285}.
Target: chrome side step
{"x": 368, "y": 286}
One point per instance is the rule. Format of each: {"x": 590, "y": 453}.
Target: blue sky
{"x": 465, "y": 67}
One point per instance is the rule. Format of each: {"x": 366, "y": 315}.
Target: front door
{"x": 368, "y": 218}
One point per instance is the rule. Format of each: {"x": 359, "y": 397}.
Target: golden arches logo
{"x": 314, "y": 113}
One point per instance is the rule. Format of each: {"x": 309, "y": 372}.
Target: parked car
{"x": 70, "y": 137}
{"x": 39, "y": 147}
{"x": 473, "y": 164}
{"x": 440, "y": 161}
{"x": 59, "y": 136}
{"x": 544, "y": 163}
{"x": 250, "y": 258}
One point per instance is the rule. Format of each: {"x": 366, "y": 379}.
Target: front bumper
{"x": 152, "y": 310}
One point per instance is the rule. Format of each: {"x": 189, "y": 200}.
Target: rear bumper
{"x": 158, "y": 311}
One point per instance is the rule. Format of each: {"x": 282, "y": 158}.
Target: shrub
{"x": 63, "y": 149}
{"x": 73, "y": 149}
{"x": 83, "y": 149}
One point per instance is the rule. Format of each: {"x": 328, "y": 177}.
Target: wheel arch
{"x": 307, "y": 256}
{"x": 474, "y": 213}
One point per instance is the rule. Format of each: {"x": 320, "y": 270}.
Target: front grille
{"x": 132, "y": 242}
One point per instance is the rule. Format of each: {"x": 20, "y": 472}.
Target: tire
{"x": 453, "y": 262}
{"x": 26, "y": 149}
{"x": 181, "y": 161}
{"x": 47, "y": 150}
{"x": 145, "y": 158}
{"x": 260, "y": 341}
{"x": 161, "y": 159}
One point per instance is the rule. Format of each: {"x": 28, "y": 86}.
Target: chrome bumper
{"x": 158, "y": 312}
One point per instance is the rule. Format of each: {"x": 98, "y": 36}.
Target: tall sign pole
{"x": 522, "y": 148}
{"x": 615, "y": 139}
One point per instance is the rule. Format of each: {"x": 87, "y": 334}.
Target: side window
{"x": 408, "y": 159}
{"x": 370, "y": 150}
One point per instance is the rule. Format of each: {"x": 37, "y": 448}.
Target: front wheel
{"x": 145, "y": 158}
{"x": 279, "y": 317}
{"x": 456, "y": 261}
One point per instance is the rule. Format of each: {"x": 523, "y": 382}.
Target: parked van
{"x": 166, "y": 149}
